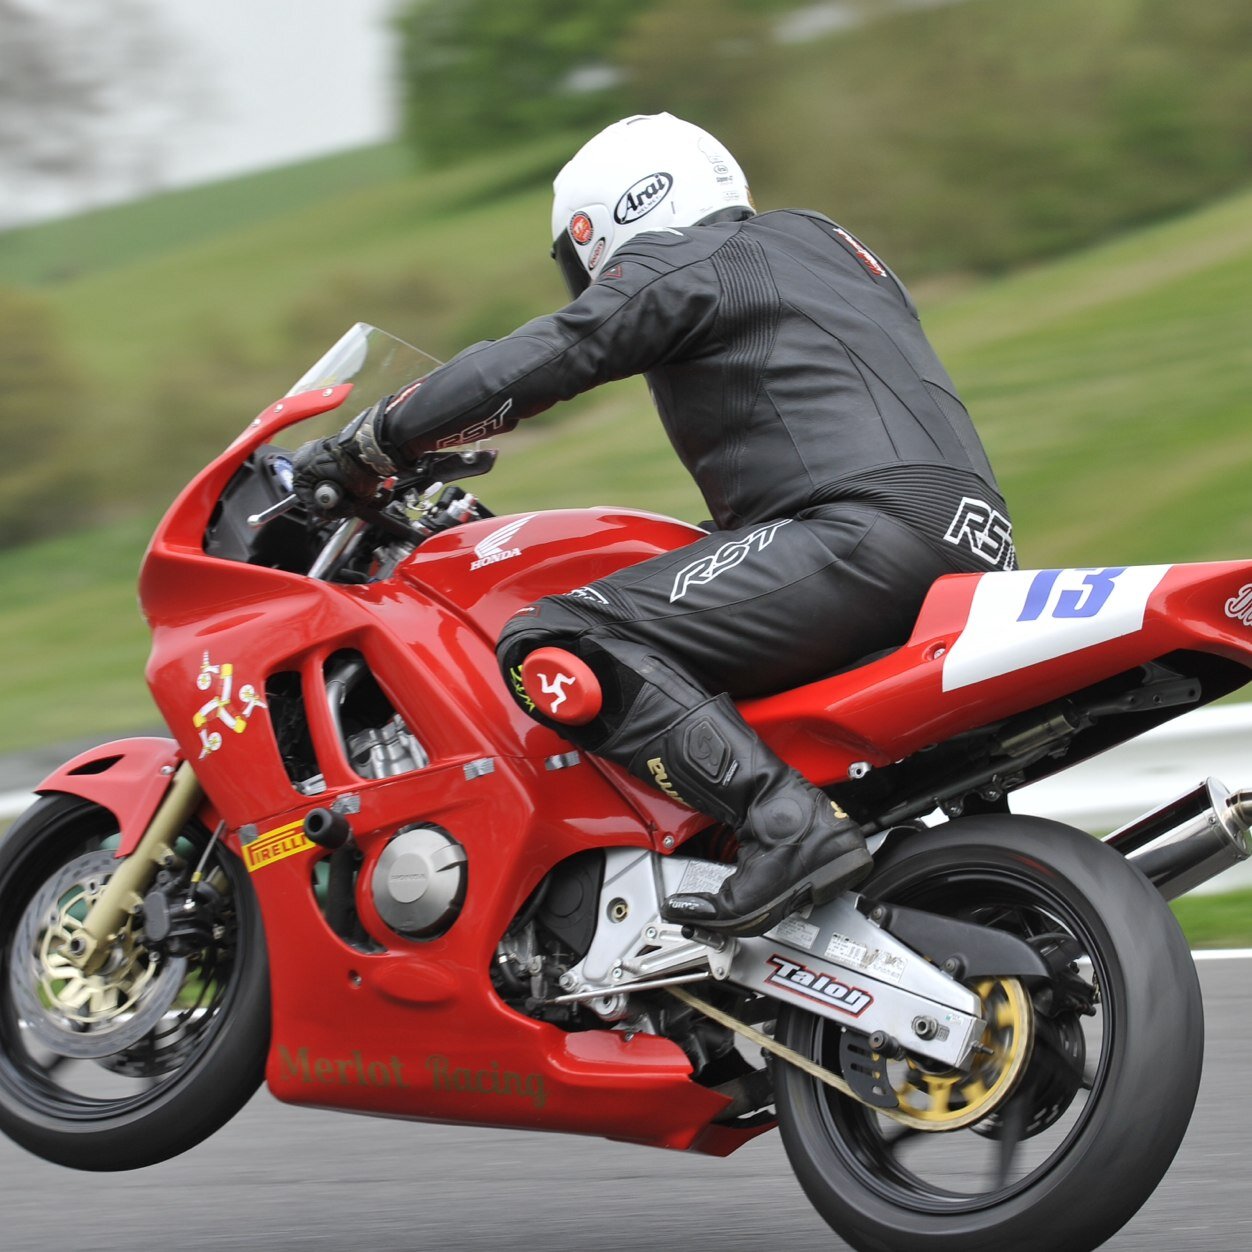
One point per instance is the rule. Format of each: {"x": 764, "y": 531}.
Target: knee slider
{"x": 561, "y": 686}
{"x": 550, "y": 625}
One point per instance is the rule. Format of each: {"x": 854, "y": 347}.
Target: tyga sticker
{"x": 1025, "y": 617}
{"x": 276, "y": 845}
{"x": 225, "y": 708}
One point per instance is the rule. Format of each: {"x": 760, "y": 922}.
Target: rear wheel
{"x": 1081, "y": 1093}
{"x": 142, "y": 1059}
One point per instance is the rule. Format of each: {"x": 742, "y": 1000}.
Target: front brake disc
{"x": 76, "y": 1014}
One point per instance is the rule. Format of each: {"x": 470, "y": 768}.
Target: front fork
{"x": 122, "y": 896}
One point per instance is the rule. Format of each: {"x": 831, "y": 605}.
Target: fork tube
{"x": 123, "y": 893}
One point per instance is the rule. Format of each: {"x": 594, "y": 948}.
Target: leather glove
{"x": 338, "y": 460}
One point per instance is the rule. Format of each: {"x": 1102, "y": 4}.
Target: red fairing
{"x": 883, "y": 711}
{"x": 128, "y": 777}
{"x": 429, "y": 1038}
{"x": 413, "y": 1027}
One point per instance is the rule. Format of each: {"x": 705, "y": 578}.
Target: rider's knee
{"x": 549, "y": 623}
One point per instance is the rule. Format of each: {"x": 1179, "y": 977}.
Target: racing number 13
{"x": 1085, "y": 600}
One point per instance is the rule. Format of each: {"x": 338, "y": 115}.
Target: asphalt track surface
{"x": 280, "y": 1178}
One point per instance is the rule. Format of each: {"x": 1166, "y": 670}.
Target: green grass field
{"x": 1112, "y": 388}
{"x": 1220, "y": 921}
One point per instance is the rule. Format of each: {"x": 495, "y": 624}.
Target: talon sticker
{"x": 819, "y": 987}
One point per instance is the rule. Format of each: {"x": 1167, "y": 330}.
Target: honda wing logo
{"x": 726, "y": 557}
{"x": 985, "y": 531}
{"x": 496, "y": 546}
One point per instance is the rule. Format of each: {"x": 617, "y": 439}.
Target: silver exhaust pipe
{"x": 1189, "y": 840}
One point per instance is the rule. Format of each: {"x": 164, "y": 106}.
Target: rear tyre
{"x": 146, "y": 1058}
{"x": 1108, "y": 1069}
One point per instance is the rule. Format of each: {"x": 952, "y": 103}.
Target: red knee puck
{"x": 562, "y": 687}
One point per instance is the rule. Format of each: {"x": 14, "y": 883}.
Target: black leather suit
{"x": 843, "y": 475}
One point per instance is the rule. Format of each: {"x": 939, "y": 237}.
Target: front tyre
{"x": 1110, "y": 1059}
{"x": 147, "y": 1056}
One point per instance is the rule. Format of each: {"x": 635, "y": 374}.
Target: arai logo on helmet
{"x": 642, "y": 198}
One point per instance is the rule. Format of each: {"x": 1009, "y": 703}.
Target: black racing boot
{"x": 797, "y": 846}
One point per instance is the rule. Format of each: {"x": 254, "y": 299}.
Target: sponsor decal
{"x": 874, "y": 961}
{"x": 494, "y": 548}
{"x": 820, "y": 987}
{"x": 656, "y": 767}
{"x": 596, "y": 253}
{"x": 795, "y": 931}
{"x": 347, "y": 1071}
{"x": 863, "y": 254}
{"x": 639, "y": 199}
{"x": 276, "y": 845}
{"x": 985, "y": 531}
{"x": 580, "y": 228}
{"x": 726, "y": 557}
{"x": 479, "y": 430}
{"x": 491, "y": 1081}
{"x": 1239, "y": 606}
{"x": 233, "y": 712}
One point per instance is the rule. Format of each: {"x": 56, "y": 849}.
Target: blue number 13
{"x": 1084, "y": 601}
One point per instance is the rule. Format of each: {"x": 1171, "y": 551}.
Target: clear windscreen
{"x": 376, "y": 363}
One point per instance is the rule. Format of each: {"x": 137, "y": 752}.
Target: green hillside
{"x": 1112, "y": 388}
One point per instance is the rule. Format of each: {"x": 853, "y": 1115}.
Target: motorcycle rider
{"x": 842, "y": 472}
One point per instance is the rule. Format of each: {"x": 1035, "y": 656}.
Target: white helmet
{"x": 643, "y": 173}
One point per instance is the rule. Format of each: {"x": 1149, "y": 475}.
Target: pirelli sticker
{"x": 276, "y": 845}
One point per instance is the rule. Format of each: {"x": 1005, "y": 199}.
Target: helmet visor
{"x": 565, "y": 253}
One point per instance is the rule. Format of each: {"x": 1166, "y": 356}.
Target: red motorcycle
{"x": 358, "y": 871}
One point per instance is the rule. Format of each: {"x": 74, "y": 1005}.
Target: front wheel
{"x": 142, "y": 1059}
{"x": 1080, "y": 1095}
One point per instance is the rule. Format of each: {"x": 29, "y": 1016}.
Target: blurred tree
{"x": 40, "y": 395}
{"x": 88, "y": 97}
{"x": 480, "y": 75}
{"x": 705, "y": 60}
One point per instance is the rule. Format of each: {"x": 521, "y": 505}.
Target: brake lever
{"x": 257, "y": 520}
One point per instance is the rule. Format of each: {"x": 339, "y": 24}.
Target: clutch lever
{"x": 257, "y": 520}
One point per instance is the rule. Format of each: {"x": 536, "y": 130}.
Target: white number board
{"x": 1021, "y": 618}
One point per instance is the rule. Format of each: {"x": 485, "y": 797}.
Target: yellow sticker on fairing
{"x": 276, "y": 845}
